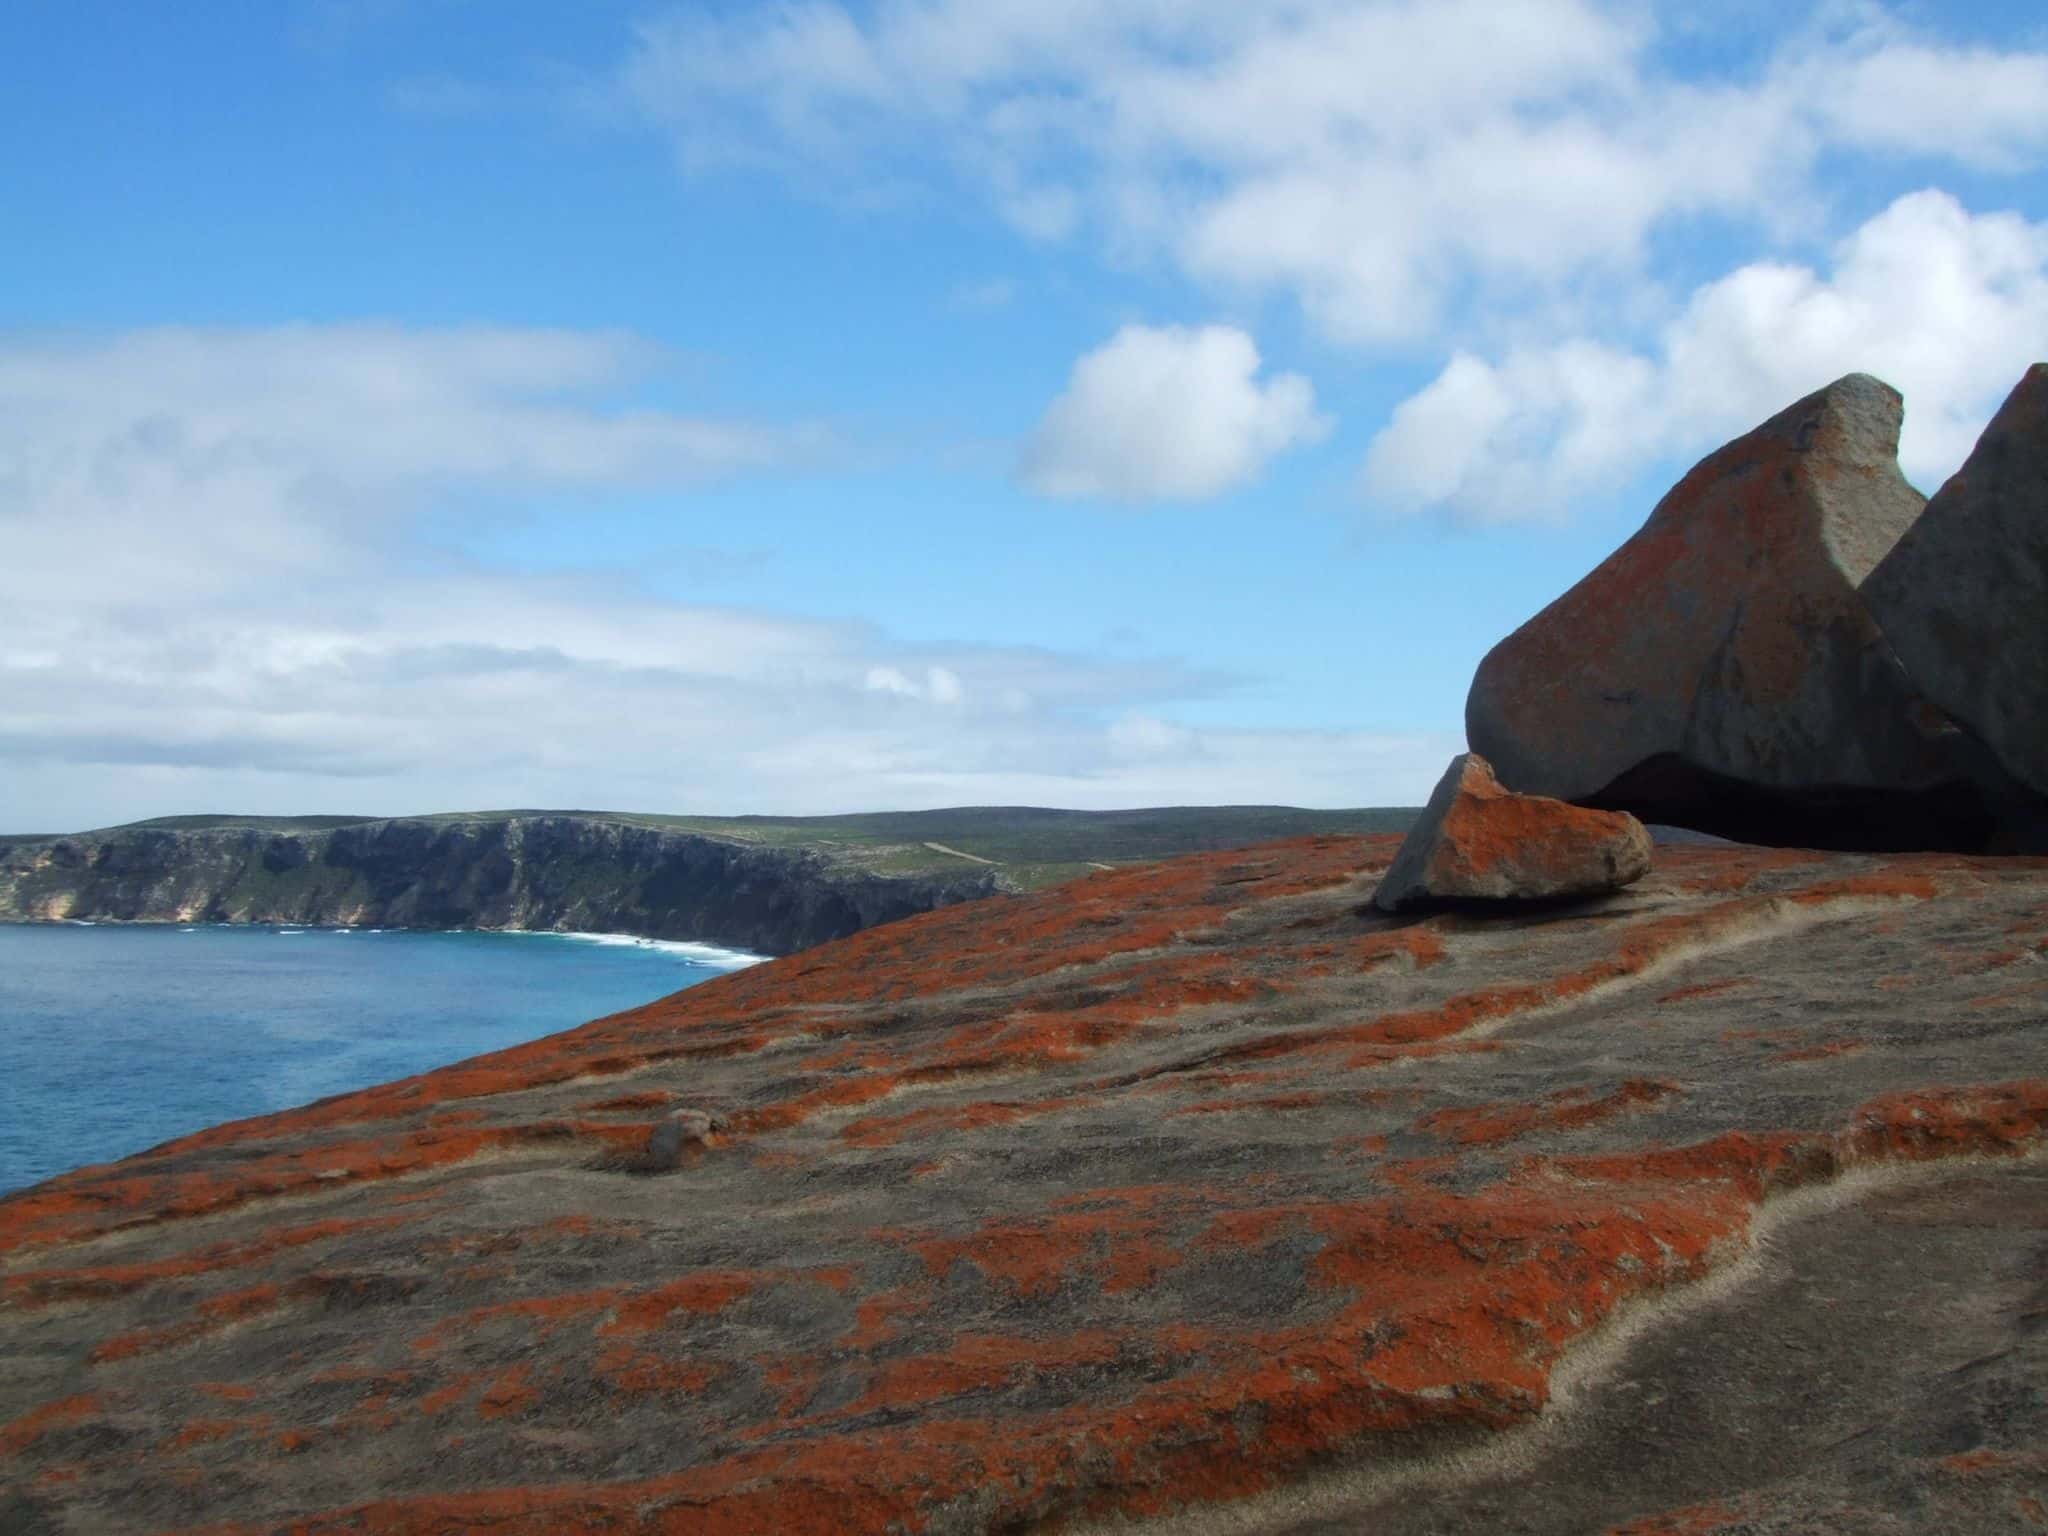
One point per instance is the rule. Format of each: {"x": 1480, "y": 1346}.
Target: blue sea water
{"x": 115, "y": 1038}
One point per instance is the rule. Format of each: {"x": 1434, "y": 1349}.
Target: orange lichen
{"x": 19, "y": 1434}
{"x": 1486, "y": 829}
{"x": 1486, "y": 1125}
{"x": 203, "y": 1431}
{"x": 699, "y": 1294}
{"x": 1284, "y": 1103}
{"x": 1826, "y": 1051}
{"x": 511, "y": 1392}
{"x": 39, "y": 1287}
{"x": 1698, "y": 1520}
{"x": 639, "y": 1373}
{"x": 209, "y": 1317}
{"x": 1888, "y": 884}
{"x": 1117, "y": 1248}
{"x": 887, "y": 1130}
{"x": 1132, "y": 1307}
{"x": 538, "y": 1316}
{"x": 1994, "y": 1119}
{"x": 796, "y": 1380}
{"x": 877, "y": 1317}
{"x": 441, "y": 1399}
{"x": 978, "y": 1363}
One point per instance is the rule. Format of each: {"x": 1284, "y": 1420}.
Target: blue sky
{"x": 414, "y": 404}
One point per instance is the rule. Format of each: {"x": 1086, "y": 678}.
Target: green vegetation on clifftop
{"x": 767, "y": 883}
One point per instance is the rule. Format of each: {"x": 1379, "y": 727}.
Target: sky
{"x": 834, "y": 405}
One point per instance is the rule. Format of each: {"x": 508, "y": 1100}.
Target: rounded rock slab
{"x": 1478, "y": 842}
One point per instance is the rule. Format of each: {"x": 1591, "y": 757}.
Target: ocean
{"x": 115, "y": 1038}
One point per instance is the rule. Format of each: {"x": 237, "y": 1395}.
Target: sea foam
{"x": 712, "y": 955}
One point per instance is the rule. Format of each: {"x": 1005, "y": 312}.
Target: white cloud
{"x": 1980, "y": 106}
{"x": 891, "y": 680}
{"x": 1148, "y": 736}
{"x": 941, "y": 685}
{"x": 1368, "y": 157}
{"x": 1947, "y": 306}
{"x": 1155, "y": 763}
{"x": 1512, "y": 441}
{"x": 1168, "y": 413}
{"x": 220, "y": 591}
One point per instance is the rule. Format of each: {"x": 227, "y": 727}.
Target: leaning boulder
{"x": 1963, "y": 597}
{"x": 1721, "y": 671}
{"x": 1478, "y": 842}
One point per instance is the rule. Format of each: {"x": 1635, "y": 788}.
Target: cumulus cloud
{"x": 1361, "y": 155}
{"x": 1947, "y": 306}
{"x": 1983, "y": 107}
{"x": 221, "y": 589}
{"x": 1169, "y": 413}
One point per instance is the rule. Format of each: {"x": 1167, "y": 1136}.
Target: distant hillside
{"x": 772, "y": 884}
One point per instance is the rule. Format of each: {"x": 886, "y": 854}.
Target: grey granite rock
{"x": 1963, "y": 597}
{"x": 1476, "y": 842}
{"x": 1721, "y": 671}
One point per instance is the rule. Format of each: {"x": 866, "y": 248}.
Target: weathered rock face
{"x": 1169, "y": 1187}
{"x": 1963, "y": 597}
{"x": 1478, "y": 842}
{"x": 1721, "y": 670}
{"x": 552, "y": 871}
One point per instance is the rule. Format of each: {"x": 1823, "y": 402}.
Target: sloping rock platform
{"x": 1201, "y": 1194}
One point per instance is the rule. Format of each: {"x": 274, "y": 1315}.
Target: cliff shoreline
{"x": 557, "y": 873}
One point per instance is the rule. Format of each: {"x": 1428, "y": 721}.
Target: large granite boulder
{"x": 1963, "y": 596}
{"x": 1478, "y": 842}
{"x": 1721, "y": 670}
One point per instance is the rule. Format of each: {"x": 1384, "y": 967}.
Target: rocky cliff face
{"x": 548, "y": 872}
{"x": 1203, "y": 1193}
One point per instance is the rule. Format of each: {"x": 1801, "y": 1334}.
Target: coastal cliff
{"x": 545, "y": 871}
{"x": 772, "y": 885}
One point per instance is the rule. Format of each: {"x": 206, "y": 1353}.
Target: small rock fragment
{"x": 1478, "y": 842}
{"x": 679, "y": 1132}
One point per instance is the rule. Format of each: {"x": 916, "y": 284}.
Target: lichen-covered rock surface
{"x": 1721, "y": 669}
{"x": 1478, "y": 842}
{"x": 1199, "y": 1193}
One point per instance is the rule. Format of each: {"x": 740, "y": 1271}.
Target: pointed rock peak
{"x": 1857, "y": 416}
{"x": 1478, "y": 842}
{"x": 1962, "y": 596}
{"x": 2018, "y": 427}
{"x": 1822, "y": 452}
{"x": 1720, "y": 670}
